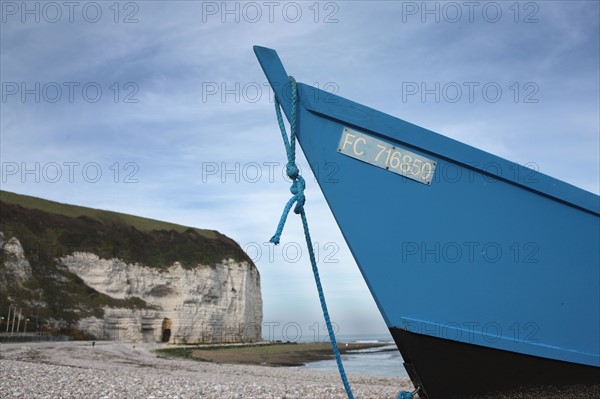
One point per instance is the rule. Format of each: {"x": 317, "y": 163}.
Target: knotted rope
{"x": 297, "y": 189}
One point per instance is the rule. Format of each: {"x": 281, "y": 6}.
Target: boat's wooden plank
{"x": 356, "y": 115}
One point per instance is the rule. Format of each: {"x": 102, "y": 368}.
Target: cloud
{"x": 185, "y": 106}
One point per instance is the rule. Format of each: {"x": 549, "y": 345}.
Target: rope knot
{"x": 298, "y": 186}
{"x": 292, "y": 170}
{"x": 298, "y": 190}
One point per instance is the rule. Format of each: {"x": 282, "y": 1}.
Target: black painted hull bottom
{"x": 445, "y": 369}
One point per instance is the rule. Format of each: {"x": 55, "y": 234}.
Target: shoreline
{"x": 274, "y": 354}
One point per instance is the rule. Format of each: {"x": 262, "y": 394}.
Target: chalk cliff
{"x": 116, "y": 276}
{"x": 205, "y": 304}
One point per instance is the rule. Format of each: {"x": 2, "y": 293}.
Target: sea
{"x": 381, "y": 361}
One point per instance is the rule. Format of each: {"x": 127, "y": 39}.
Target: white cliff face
{"x": 16, "y": 266}
{"x": 220, "y": 303}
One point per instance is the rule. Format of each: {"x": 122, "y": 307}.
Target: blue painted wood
{"x": 499, "y": 257}
{"x": 354, "y": 114}
{"x": 276, "y": 75}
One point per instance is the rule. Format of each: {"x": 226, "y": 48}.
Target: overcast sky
{"x": 160, "y": 109}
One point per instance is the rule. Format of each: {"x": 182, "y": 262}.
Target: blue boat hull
{"x": 488, "y": 257}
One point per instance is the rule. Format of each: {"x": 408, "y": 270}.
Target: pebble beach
{"x": 118, "y": 370}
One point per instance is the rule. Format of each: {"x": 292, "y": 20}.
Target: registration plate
{"x": 386, "y": 156}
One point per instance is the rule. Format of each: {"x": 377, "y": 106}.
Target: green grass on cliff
{"x": 74, "y": 211}
{"x": 49, "y": 230}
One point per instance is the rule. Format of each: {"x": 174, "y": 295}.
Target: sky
{"x": 160, "y": 109}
